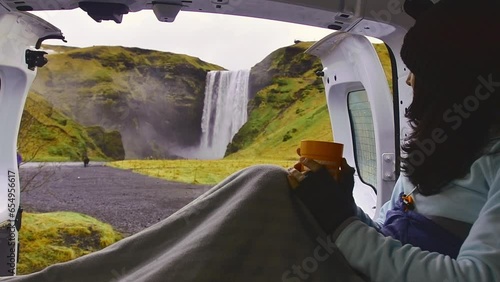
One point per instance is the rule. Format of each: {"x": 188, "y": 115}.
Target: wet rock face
{"x": 261, "y": 75}
{"x": 158, "y": 115}
{"x": 110, "y": 142}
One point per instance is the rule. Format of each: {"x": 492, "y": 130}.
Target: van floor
{"x": 130, "y": 202}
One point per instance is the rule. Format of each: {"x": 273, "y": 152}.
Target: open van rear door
{"x": 19, "y": 33}
{"x": 361, "y": 108}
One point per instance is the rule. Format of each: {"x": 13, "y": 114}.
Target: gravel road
{"x": 128, "y": 201}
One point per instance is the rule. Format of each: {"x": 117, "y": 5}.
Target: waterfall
{"x": 224, "y": 111}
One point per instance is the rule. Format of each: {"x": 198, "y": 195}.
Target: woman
{"x": 443, "y": 220}
{"x": 251, "y": 227}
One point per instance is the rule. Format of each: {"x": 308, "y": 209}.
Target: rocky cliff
{"x": 153, "y": 99}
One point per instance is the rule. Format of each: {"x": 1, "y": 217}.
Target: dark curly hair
{"x": 454, "y": 52}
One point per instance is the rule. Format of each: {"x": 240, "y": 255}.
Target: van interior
{"x": 367, "y": 114}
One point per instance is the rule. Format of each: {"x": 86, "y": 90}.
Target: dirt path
{"x": 128, "y": 201}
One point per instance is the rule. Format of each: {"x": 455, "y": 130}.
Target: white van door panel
{"x": 18, "y": 33}
{"x": 360, "y": 104}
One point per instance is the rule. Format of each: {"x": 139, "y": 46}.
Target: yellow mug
{"x": 326, "y": 153}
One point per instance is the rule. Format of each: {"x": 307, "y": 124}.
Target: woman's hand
{"x": 329, "y": 201}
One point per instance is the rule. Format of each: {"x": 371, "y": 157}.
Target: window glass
{"x": 363, "y": 134}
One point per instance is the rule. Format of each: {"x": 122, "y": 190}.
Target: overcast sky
{"x": 229, "y": 41}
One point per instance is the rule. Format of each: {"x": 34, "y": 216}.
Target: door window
{"x": 363, "y": 135}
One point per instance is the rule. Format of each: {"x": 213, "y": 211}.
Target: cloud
{"x": 229, "y": 41}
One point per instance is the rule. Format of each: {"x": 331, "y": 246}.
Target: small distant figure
{"x": 296, "y": 41}
{"x": 86, "y": 161}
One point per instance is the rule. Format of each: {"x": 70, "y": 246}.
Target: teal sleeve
{"x": 361, "y": 215}
{"x": 380, "y": 219}
{"x": 385, "y": 259}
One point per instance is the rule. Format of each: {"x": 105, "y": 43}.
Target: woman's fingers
{"x": 294, "y": 177}
{"x": 311, "y": 164}
{"x": 296, "y": 174}
{"x": 298, "y": 166}
{"x": 293, "y": 182}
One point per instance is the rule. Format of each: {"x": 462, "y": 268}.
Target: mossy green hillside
{"x": 50, "y": 238}
{"x": 48, "y": 135}
{"x": 292, "y": 107}
{"x": 278, "y": 122}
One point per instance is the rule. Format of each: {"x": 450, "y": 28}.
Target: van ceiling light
{"x": 166, "y": 12}
{"x": 100, "y": 11}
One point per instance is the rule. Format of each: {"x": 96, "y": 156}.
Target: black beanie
{"x": 456, "y": 36}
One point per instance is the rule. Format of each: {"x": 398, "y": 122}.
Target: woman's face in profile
{"x": 410, "y": 80}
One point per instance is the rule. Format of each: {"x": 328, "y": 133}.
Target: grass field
{"x": 194, "y": 171}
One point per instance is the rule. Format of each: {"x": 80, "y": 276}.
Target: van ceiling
{"x": 334, "y": 14}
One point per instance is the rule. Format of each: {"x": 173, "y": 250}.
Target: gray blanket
{"x": 247, "y": 228}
